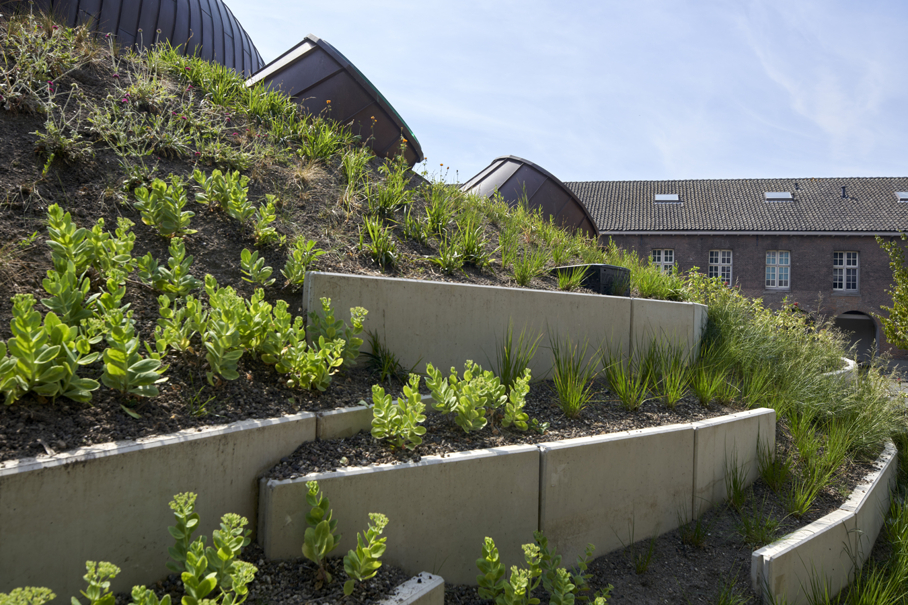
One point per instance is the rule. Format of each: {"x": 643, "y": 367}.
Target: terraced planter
{"x": 829, "y": 550}
{"x": 109, "y": 502}
{"x": 579, "y": 491}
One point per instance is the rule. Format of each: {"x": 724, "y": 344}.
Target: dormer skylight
{"x": 667, "y": 198}
{"x": 902, "y": 196}
{"x": 777, "y": 196}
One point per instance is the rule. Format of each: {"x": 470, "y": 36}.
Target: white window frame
{"x": 845, "y": 271}
{"x": 664, "y": 258}
{"x": 720, "y": 262}
{"x": 778, "y": 270}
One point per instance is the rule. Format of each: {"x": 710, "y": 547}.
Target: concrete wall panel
{"x": 600, "y": 490}
{"x": 727, "y": 442}
{"x": 109, "y": 502}
{"x": 439, "y": 509}
{"x": 446, "y": 324}
{"x": 344, "y": 422}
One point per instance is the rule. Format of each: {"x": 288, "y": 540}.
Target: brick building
{"x": 811, "y": 241}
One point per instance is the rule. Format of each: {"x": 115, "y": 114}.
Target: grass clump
{"x": 573, "y": 374}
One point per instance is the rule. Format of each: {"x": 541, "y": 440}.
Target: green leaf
{"x": 130, "y": 412}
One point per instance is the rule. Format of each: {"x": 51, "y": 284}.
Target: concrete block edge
{"x": 422, "y": 589}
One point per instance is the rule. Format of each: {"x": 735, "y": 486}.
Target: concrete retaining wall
{"x": 725, "y": 443}
{"x": 439, "y": 509}
{"x": 597, "y": 490}
{"x": 445, "y": 323}
{"x": 109, "y": 502}
{"x": 827, "y": 550}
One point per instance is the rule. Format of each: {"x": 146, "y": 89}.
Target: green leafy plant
{"x": 175, "y": 280}
{"x": 124, "y": 369}
{"x": 399, "y": 423}
{"x": 44, "y": 356}
{"x": 363, "y": 562}
{"x": 573, "y": 375}
{"x": 388, "y": 196}
{"x": 180, "y": 320}
{"x": 415, "y": 229}
{"x": 68, "y": 243}
{"x": 98, "y": 576}
{"x": 325, "y": 326}
{"x": 384, "y": 362}
{"x": 439, "y": 207}
{"x": 254, "y": 269}
{"x": 668, "y": 367}
{"x": 162, "y": 207}
{"x": 221, "y": 190}
{"x": 183, "y": 507}
{"x": 28, "y": 595}
{"x": 262, "y": 230}
{"x": 471, "y": 241}
{"x": 775, "y": 470}
{"x": 736, "y": 491}
{"x": 478, "y": 397}
{"x": 321, "y": 535}
{"x": 112, "y": 254}
{"x": 70, "y": 298}
{"x": 508, "y": 243}
{"x": 301, "y": 258}
{"x": 518, "y": 588}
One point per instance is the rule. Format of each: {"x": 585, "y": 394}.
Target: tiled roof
{"x": 738, "y": 205}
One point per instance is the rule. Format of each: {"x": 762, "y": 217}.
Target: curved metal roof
{"x": 314, "y": 72}
{"x": 514, "y": 177}
{"x": 206, "y": 27}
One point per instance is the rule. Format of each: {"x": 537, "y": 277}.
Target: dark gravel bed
{"x": 604, "y": 415}
{"x": 36, "y": 429}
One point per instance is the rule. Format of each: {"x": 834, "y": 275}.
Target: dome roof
{"x": 514, "y": 178}
{"x": 206, "y": 27}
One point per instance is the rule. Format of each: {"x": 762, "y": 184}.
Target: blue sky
{"x": 627, "y": 90}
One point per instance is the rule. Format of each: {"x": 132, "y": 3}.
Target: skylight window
{"x": 667, "y": 198}
{"x": 777, "y": 196}
{"x": 902, "y": 195}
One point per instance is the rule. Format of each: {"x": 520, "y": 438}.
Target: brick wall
{"x": 811, "y": 269}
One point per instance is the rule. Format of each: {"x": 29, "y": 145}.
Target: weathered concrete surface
{"x": 439, "y": 509}
{"x": 423, "y": 589}
{"x": 724, "y": 443}
{"x": 344, "y": 422}
{"x": 827, "y": 550}
{"x": 109, "y": 502}
{"x": 446, "y": 324}
{"x": 609, "y": 489}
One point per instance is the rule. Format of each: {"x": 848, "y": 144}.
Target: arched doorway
{"x": 861, "y": 329}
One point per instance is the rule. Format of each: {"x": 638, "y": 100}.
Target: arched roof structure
{"x": 205, "y": 27}
{"x": 314, "y": 72}
{"x": 514, "y": 177}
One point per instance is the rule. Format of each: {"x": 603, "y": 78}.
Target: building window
{"x": 778, "y": 263}
{"x": 664, "y": 258}
{"x": 720, "y": 265}
{"x": 845, "y": 271}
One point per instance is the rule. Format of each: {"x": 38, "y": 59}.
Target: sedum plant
{"x": 162, "y": 207}
{"x": 262, "y": 230}
{"x": 301, "y": 258}
{"x": 399, "y": 424}
{"x": 44, "y": 356}
{"x": 326, "y": 326}
{"x": 363, "y": 562}
{"x": 124, "y": 369}
{"x": 222, "y": 190}
{"x": 68, "y": 243}
{"x": 478, "y": 396}
{"x": 254, "y": 269}
{"x": 69, "y": 295}
{"x": 321, "y": 535}
{"x": 112, "y": 254}
{"x": 175, "y": 280}
{"x": 28, "y": 595}
{"x": 98, "y": 576}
